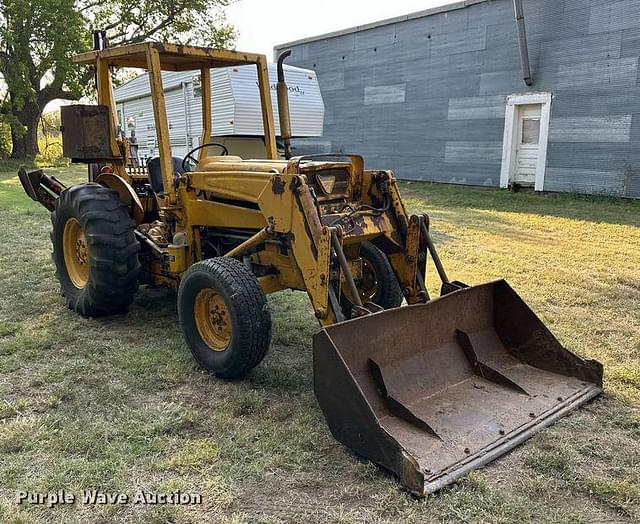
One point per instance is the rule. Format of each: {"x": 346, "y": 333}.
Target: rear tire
{"x": 377, "y": 272}
{"x": 224, "y": 317}
{"x": 95, "y": 250}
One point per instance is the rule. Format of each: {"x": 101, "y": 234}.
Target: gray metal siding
{"x": 425, "y": 96}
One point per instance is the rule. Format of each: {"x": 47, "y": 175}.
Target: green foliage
{"x": 39, "y": 37}
{"x": 199, "y": 22}
{"x": 5, "y": 139}
{"x": 50, "y": 141}
{"x": 50, "y": 154}
{"x": 50, "y": 123}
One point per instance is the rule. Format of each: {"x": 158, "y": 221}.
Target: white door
{"x": 528, "y": 144}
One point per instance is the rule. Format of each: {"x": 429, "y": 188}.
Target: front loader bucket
{"x": 434, "y": 391}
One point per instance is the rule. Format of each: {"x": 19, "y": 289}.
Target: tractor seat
{"x": 155, "y": 172}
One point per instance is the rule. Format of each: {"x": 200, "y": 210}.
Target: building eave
{"x": 389, "y": 21}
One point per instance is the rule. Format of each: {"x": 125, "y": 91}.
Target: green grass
{"x": 118, "y": 404}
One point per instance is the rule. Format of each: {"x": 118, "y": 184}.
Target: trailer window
{"x": 197, "y": 86}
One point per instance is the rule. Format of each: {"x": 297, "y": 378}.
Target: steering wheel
{"x": 189, "y": 155}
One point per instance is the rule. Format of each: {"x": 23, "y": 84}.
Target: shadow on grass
{"x": 611, "y": 210}
{"x": 287, "y": 366}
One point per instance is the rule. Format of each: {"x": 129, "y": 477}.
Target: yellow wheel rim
{"x": 76, "y": 253}
{"x": 369, "y": 285}
{"x": 213, "y": 320}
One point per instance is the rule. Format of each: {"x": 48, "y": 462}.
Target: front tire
{"x": 224, "y": 317}
{"x": 95, "y": 250}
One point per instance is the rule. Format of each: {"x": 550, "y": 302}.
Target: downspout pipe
{"x": 283, "y": 106}
{"x": 522, "y": 42}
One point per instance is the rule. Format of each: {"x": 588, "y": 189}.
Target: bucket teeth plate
{"x": 434, "y": 391}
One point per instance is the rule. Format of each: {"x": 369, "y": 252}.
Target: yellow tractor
{"x": 429, "y": 391}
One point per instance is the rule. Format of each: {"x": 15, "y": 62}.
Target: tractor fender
{"x": 126, "y": 194}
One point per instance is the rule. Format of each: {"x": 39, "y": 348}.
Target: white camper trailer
{"x": 237, "y": 116}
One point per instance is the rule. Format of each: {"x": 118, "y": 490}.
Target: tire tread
{"x": 252, "y": 313}
{"x": 113, "y": 248}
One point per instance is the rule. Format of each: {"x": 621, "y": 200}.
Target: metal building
{"x": 237, "y": 114}
{"x": 440, "y": 95}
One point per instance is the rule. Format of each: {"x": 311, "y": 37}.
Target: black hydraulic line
{"x": 434, "y": 254}
{"x": 364, "y": 210}
{"x": 149, "y": 243}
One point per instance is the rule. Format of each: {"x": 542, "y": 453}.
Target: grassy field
{"x": 118, "y": 404}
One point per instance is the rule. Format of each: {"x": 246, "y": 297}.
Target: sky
{"x": 264, "y": 23}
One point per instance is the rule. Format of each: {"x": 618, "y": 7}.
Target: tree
{"x": 38, "y": 38}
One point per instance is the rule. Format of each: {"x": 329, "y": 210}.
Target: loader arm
{"x": 303, "y": 239}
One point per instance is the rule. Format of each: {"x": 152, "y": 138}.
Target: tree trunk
{"x": 25, "y": 141}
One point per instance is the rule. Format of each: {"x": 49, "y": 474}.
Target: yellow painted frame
{"x": 157, "y": 57}
{"x": 207, "y": 115}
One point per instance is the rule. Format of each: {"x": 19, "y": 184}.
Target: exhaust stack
{"x": 283, "y": 106}
{"x": 100, "y": 40}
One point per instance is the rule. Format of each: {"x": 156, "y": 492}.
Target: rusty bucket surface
{"x": 433, "y": 391}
